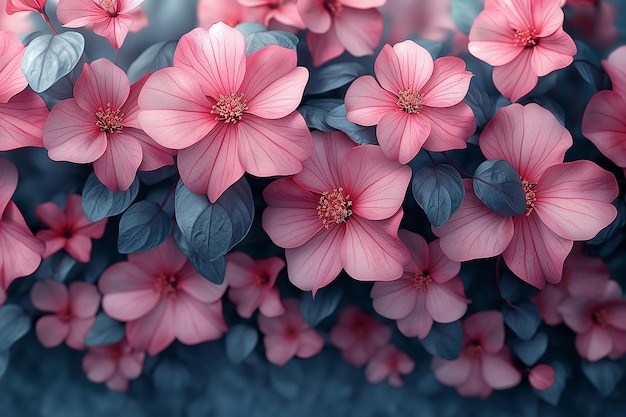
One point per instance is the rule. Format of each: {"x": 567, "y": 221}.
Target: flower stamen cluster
{"x": 410, "y": 101}
{"x": 109, "y": 121}
{"x": 531, "y": 196}
{"x": 230, "y": 107}
{"x": 334, "y": 207}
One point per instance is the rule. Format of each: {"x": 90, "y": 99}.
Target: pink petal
{"x": 376, "y": 185}
{"x": 547, "y": 17}
{"x": 80, "y": 141}
{"x": 594, "y": 344}
{"x": 475, "y": 385}
{"x": 50, "y": 214}
{"x": 394, "y": 299}
{"x": 604, "y": 125}
{"x": 516, "y": 79}
{"x": 212, "y": 165}
{"x": 576, "y": 314}
{"x": 131, "y": 106}
{"x": 278, "y": 349}
{"x": 79, "y": 329}
{"x": 116, "y": 168}
{"x": 616, "y": 315}
{"x": 405, "y": 65}
{"x": 448, "y": 84}
{"x": 131, "y": 365}
{"x": 247, "y": 300}
{"x": 418, "y": 248}
{"x": 446, "y": 302}
{"x": 574, "y": 199}
{"x": 359, "y": 30}
{"x": 49, "y": 295}
{"x": 128, "y": 293}
{"x": 418, "y": 322}
{"x": 324, "y": 47}
{"x": 401, "y": 135}
{"x": 487, "y": 327}
{"x": 492, "y": 40}
{"x": 310, "y": 344}
{"x": 155, "y": 331}
{"x": 155, "y": 156}
{"x": 198, "y": 287}
{"x": 441, "y": 268}
{"x": 53, "y": 241}
{"x": 314, "y": 15}
{"x": 21, "y": 251}
{"x": 541, "y": 376}
{"x": 197, "y": 322}
{"x": 614, "y": 67}
{"x": 499, "y": 372}
{"x": 98, "y": 368}
{"x": 12, "y": 79}
{"x": 217, "y": 58}
{"x": 80, "y": 13}
{"x": 450, "y": 127}
{"x": 271, "y": 306}
{"x": 363, "y": 4}
{"x": 84, "y": 299}
{"x": 8, "y": 172}
{"x": 367, "y": 102}
{"x": 101, "y": 84}
{"x": 164, "y": 259}
{"x": 14, "y": 132}
{"x": 78, "y": 247}
{"x": 535, "y": 140}
{"x": 51, "y": 331}
{"x": 552, "y": 53}
{"x": 173, "y": 109}
{"x": 117, "y": 383}
{"x": 114, "y": 29}
{"x": 451, "y": 373}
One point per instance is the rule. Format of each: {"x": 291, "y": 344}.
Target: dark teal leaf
{"x": 105, "y": 331}
{"x": 287, "y": 380}
{"x": 155, "y": 57}
{"x": 498, "y": 185}
{"x": 315, "y": 112}
{"x": 588, "y": 65}
{"x": 529, "y": 351}
{"x": 240, "y": 342}
{"x": 439, "y": 192}
{"x": 444, "y": 340}
{"x": 333, "y": 76}
{"x": 14, "y": 324}
{"x": 171, "y": 375}
{"x": 315, "y": 309}
{"x": 523, "y": 320}
{"x": 553, "y": 394}
{"x": 464, "y": 12}
{"x": 99, "y": 202}
{"x": 212, "y": 270}
{"x": 363, "y": 135}
{"x": 143, "y": 226}
{"x": 258, "y": 40}
{"x": 604, "y": 375}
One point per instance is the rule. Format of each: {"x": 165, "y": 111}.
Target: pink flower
{"x": 603, "y": 122}
{"x": 429, "y": 290}
{"x": 484, "y": 363}
{"x": 110, "y": 18}
{"x": 341, "y": 211}
{"x": 599, "y": 319}
{"x": 339, "y": 25}
{"x": 541, "y": 376}
{"x": 390, "y": 363}
{"x": 523, "y": 40}
{"x": 69, "y": 228}
{"x": 418, "y": 105}
{"x": 252, "y": 284}
{"x": 227, "y": 113}
{"x": 231, "y": 12}
{"x": 14, "y": 6}
{"x": 288, "y": 335}
{"x": 425, "y": 19}
{"x": 74, "y": 312}
{"x": 20, "y": 251}
{"x": 282, "y": 11}
{"x": 162, "y": 297}
{"x": 358, "y": 335}
{"x": 114, "y": 364}
{"x": 564, "y": 201}
{"x": 100, "y": 125}
{"x": 15, "y": 23}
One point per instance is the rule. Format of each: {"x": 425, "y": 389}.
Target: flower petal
{"x": 79, "y": 329}
{"x": 516, "y": 79}
{"x": 114, "y": 29}
{"x": 8, "y": 173}
{"x": 12, "y": 79}
{"x": 450, "y": 127}
{"x": 359, "y": 30}
{"x": 451, "y": 373}
{"x": 446, "y": 302}
{"x": 486, "y": 327}
{"x": 448, "y": 84}
{"x": 594, "y": 344}
{"x": 394, "y": 299}
{"x": 324, "y": 47}
{"x": 499, "y": 372}
{"x": 49, "y": 295}
{"x": 418, "y": 322}
{"x": 367, "y": 102}
{"x": 401, "y": 135}
{"x": 118, "y": 165}
{"x": 405, "y": 65}
{"x": 155, "y": 331}
{"x": 51, "y": 331}
{"x": 197, "y": 322}
{"x": 84, "y": 299}
{"x": 15, "y": 133}
{"x": 604, "y": 125}
{"x": 101, "y": 84}
{"x": 492, "y": 40}
{"x": 552, "y": 53}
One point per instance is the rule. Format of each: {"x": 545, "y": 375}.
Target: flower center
{"x": 65, "y": 315}
{"x": 115, "y": 352}
{"x": 275, "y": 4}
{"x": 473, "y": 350}
{"x": 109, "y": 121}
{"x": 334, "y": 7}
{"x": 290, "y": 332}
{"x": 334, "y": 207}
{"x": 361, "y": 329}
{"x": 260, "y": 280}
{"x": 525, "y": 37}
{"x": 410, "y": 101}
{"x": 601, "y": 318}
{"x": 166, "y": 285}
{"x": 110, "y": 6}
{"x": 531, "y": 196}
{"x": 230, "y": 108}
{"x": 421, "y": 281}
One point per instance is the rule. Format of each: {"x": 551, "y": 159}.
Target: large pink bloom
{"x": 252, "y": 284}
{"x": 74, "y": 312}
{"x": 110, "y": 18}
{"x": 341, "y": 211}
{"x": 389, "y": 362}
{"x": 100, "y": 125}
{"x": 162, "y": 297}
{"x": 14, "y": 6}
{"x": 20, "y": 251}
{"x": 429, "y": 290}
{"x": 288, "y": 335}
{"x": 484, "y": 363}
{"x": 603, "y": 121}
{"x": 227, "y": 113}
{"x": 418, "y": 105}
{"x": 69, "y": 228}
{"x": 336, "y": 26}
{"x": 113, "y": 364}
{"x": 523, "y": 40}
{"x": 359, "y": 335}
{"x": 564, "y": 201}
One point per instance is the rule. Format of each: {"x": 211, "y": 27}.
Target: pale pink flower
{"x": 389, "y": 363}
{"x": 599, "y": 319}
{"x": 603, "y": 122}
{"x": 336, "y": 26}
{"x": 429, "y": 290}
{"x": 74, "y": 311}
{"x": 227, "y": 113}
{"x": 69, "y": 228}
{"x": 341, "y": 212}
{"x": 425, "y": 19}
{"x": 522, "y": 40}
{"x": 20, "y": 251}
{"x": 358, "y": 335}
{"x": 289, "y": 335}
{"x": 252, "y": 282}
{"x": 109, "y": 18}
{"x": 564, "y": 201}
{"x": 12, "y": 79}
{"x": 282, "y": 11}
{"x": 113, "y": 364}
{"x": 418, "y": 105}
{"x": 484, "y": 363}
{"x": 14, "y": 6}
{"x": 231, "y": 12}
{"x": 100, "y": 125}
{"x": 15, "y": 23}
{"x": 162, "y": 297}
{"x": 541, "y": 376}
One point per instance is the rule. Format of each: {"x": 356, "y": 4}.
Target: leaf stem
{"x": 45, "y": 17}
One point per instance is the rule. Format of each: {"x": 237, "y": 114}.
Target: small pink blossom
{"x": 359, "y": 335}
{"x": 564, "y": 201}
{"x": 522, "y": 40}
{"x": 74, "y": 312}
{"x": 283, "y": 12}
{"x": 20, "y": 251}
{"x": 100, "y": 125}
{"x": 429, "y": 290}
{"x": 113, "y": 364}
{"x": 389, "y": 363}
{"x": 418, "y": 105}
{"x": 109, "y": 18}
{"x": 69, "y": 228}
{"x": 341, "y": 211}
{"x": 599, "y": 319}
{"x": 231, "y": 12}
{"x": 227, "y": 113}
{"x": 162, "y": 297}
{"x": 289, "y": 335}
{"x": 484, "y": 363}
{"x": 541, "y": 376}
{"x": 336, "y": 26}
{"x": 252, "y": 284}
{"x": 14, "y": 6}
